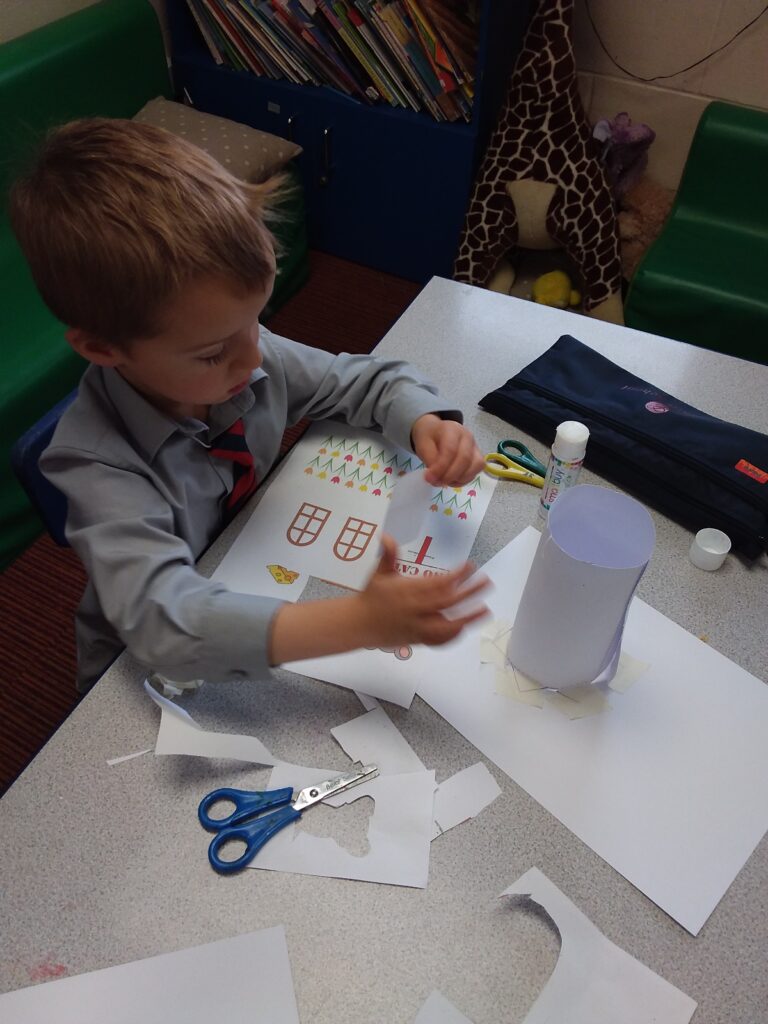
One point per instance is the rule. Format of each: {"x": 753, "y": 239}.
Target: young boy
{"x": 160, "y": 263}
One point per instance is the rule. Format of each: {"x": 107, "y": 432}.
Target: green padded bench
{"x": 705, "y": 278}
{"x": 106, "y": 60}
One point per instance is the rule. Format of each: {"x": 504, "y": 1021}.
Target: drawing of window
{"x": 307, "y": 524}
{"x": 353, "y": 539}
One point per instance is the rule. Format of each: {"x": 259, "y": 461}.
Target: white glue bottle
{"x": 565, "y": 462}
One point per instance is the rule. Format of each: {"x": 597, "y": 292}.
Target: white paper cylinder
{"x": 591, "y": 556}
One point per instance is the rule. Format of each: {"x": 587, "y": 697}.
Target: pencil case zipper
{"x": 715, "y": 516}
{"x": 636, "y": 435}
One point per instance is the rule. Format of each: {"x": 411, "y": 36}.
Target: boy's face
{"x": 205, "y": 352}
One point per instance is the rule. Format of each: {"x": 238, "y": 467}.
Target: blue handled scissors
{"x": 522, "y": 455}
{"x": 248, "y": 824}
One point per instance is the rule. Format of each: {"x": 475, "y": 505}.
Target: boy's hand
{"x": 447, "y": 449}
{"x": 392, "y": 610}
{"x": 395, "y": 609}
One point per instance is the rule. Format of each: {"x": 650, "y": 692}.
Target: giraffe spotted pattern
{"x": 543, "y": 134}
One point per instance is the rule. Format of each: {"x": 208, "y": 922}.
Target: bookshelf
{"x": 385, "y": 187}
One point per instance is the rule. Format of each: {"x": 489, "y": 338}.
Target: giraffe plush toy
{"x": 541, "y": 185}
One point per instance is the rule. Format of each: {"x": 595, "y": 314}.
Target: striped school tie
{"x": 231, "y": 445}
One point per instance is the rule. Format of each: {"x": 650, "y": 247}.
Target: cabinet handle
{"x": 325, "y": 175}
{"x": 290, "y": 124}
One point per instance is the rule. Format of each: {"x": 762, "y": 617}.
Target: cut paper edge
{"x": 373, "y": 738}
{"x": 179, "y": 733}
{"x": 463, "y": 796}
{"x": 399, "y": 831}
{"x": 252, "y": 975}
{"x": 594, "y": 980}
{"x": 128, "y": 757}
{"x": 438, "y": 1010}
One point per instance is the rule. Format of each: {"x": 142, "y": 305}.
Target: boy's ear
{"x": 92, "y": 348}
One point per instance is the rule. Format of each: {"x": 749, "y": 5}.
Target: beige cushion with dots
{"x": 249, "y": 154}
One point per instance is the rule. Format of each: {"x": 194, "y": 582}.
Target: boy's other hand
{"x": 395, "y": 609}
{"x": 447, "y": 449}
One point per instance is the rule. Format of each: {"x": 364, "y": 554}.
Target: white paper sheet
{"x": 594, "y": 981}
{"x": 323, "y": 511}
{"x": 243, "y": 980}
{"x": 368, "y": 702}
{"x": 463, "y": 796}
{"x": 374, "y": 739}
{"x": 570, "y": 620}
{"x": 380, "y": 672}
{"x": 179, "y": 733}
{"x": 437, "y": 1010}
{"x": 670, "y": 787}
{"x": 399, "y": 831}
{"x": 408, "y": 508}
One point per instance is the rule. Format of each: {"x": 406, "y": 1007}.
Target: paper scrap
{"x": 640, "y": 785}
{"x": 399, "y": 831}
{"x": 463, "y": 796}
{"x": 369, "y": 703}
{"x": 408, "y": 507}
{"x": 595, "y": 981}
{"x": 241, "y": 980}
{"x": 437, "y": 1010}
{"x": 374, "y": 739}
{"x": 179, "y": 733}
{"x": 128, "y": 757}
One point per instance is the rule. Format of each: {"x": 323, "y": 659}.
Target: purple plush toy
{"x": 625, "y": 152}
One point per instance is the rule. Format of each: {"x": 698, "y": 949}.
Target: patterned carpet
{"x": 343, "y": 308}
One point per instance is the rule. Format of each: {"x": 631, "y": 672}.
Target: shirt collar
{"x": 150, "y": 428}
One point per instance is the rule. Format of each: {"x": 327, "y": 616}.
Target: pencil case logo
{"x": 753, "y": 471}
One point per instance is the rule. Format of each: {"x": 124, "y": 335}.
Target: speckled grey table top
{"x": 102, "y": 865}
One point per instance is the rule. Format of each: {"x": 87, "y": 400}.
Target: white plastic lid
{"x": 709, "y": 548}
{"x": 571, "y": 441}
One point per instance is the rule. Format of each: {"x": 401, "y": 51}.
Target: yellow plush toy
{"x": 554, "y": 289}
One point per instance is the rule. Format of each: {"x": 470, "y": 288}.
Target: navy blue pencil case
{"x": 699, "y": 470}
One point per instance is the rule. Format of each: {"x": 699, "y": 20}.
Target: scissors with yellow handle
{"x": 503, "y": 468}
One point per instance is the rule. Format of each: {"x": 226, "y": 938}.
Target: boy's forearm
{"x": 317, "y": 628}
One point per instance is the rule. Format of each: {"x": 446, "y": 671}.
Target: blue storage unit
{"x": 385, "y": 187}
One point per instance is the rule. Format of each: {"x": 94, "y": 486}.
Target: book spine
{"x": 208, "y": 38}
{"x": 337, "y": 50}
{"x": 371, "y": 89}
{"x": 363, "y": 53}
{"x": 367, "y": 27}
{"x": 396, "y": 47}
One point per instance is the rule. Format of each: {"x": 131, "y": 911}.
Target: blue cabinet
{"x": 385, "y": 187}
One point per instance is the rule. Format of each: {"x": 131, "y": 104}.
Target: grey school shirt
{"x": 146, "y": 498}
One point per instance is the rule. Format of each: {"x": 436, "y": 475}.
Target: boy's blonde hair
{"x": 115, "y": 217}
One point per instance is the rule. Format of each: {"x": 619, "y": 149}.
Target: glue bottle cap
{"x": 571, "y": 441}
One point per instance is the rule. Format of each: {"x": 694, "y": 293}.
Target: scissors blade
{"x": 321, "y": 790}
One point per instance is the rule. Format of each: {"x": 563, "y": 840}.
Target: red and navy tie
{"x": 231, "y": 445}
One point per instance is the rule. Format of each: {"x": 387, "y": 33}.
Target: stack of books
{"x": 417, "y": 54}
